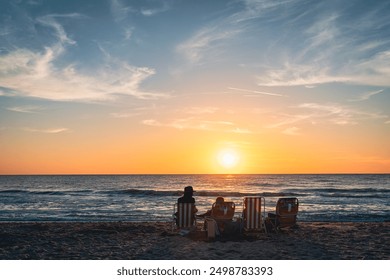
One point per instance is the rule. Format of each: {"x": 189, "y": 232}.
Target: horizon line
{"x": 189, "y": 174}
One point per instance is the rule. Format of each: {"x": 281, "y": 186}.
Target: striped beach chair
{"x": 253, "y": 214}
{"x": 184, "y": 215}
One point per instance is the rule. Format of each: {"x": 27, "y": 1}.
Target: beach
{"x": 156, "y": 240}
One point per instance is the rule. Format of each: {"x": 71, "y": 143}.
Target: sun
{"x": 228, "y": 158}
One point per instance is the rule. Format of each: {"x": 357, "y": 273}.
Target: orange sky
{"x": 168, "y": 150}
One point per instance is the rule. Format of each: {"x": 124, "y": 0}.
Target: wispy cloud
{"x": 200, "y": 118}
{"x": 293, "y": 118}
{"x": 374, "y": 71}
{"x": 128, "y": 32}
{"x": 156, "y": 10}
{"x": 36, "y": 74}
{"x": 298, "y": 75}
{"x": 320, "y": 114}
{"x": 199, "y": 124}
{"x": 254, "y": 9}
{"x": 367, "y": 95}
{"x": 339, "y": 114}
{"x": 25, "y": 109}
{"x": 323, "y": 32}
{"x": 205, "y": 42}
{"x": 256, "y": 92}
{"x": 119, "y": 10}
{"x": 288, "y": 119}
{"x": 47, "y": 131}
{"x": 51, "y": 22}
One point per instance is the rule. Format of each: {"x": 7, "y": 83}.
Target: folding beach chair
{"x": 223, "y": 211}
{"x": 253, "y": 214}
{"x": 184, "y": 216}
{"x": 220, "y": 220}
{"x": 285, "y": 214}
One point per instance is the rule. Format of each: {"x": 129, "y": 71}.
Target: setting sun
{"x": 228, "y": 158}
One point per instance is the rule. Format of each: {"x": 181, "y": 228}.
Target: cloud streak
{"x": 256, "y": 92}
{"x": 205, "y": 42}
{"x": 47, "y": 131}
{"x": 199, "y": 124}
{"x": 25, "y": 109}
{"x": 314, "y": 113}
{"x": 367, "y": 95}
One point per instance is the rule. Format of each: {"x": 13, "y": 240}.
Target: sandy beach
{"x": 126, "y": 240}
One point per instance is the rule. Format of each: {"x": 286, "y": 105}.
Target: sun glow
{"x": 228, "y": 158}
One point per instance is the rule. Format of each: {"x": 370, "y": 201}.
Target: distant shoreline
{"x": 155, "y": 240}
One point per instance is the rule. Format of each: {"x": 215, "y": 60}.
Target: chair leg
{"x": 271, "y": 224}
{"x": 264, "y": 226}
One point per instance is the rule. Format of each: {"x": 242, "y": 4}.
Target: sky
{"x": 188, "y": 87}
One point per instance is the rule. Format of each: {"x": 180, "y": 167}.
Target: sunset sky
{"x": 176, "y": 86}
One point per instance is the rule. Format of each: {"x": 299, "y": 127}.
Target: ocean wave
{"x": 44, "y": 192}
{"x": 13, "y": 191}
{"x": 138, "y": 192}
{"x": 342, "y": 195}
{"x": 341, "y": 190}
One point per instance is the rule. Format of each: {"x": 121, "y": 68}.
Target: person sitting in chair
{"x": 222, "y": 214}
{"x": 187, "y": 197}
{"x": 219, "y": 204}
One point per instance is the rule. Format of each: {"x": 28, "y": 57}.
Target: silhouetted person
{"x": 187, "y": 196}
{"x": 218, "y": 205}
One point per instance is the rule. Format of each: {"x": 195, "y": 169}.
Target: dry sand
{"x": 126, "y": 240}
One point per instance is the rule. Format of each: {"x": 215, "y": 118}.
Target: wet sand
{"x": 151, "y": 240}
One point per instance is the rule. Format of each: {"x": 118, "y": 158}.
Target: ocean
{"x": 93, "y": 198}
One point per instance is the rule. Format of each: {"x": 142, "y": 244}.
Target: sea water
{"x": 355, "y": 197}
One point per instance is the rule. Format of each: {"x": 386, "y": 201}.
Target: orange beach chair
{"x": 223, "y": 211}
{"x": 285, "y": 214}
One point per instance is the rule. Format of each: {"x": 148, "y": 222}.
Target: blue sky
{"x": 241, "y": 68}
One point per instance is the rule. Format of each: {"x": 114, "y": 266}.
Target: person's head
{"x": 219, "y": 200}
{"x": 188, "y": 191}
